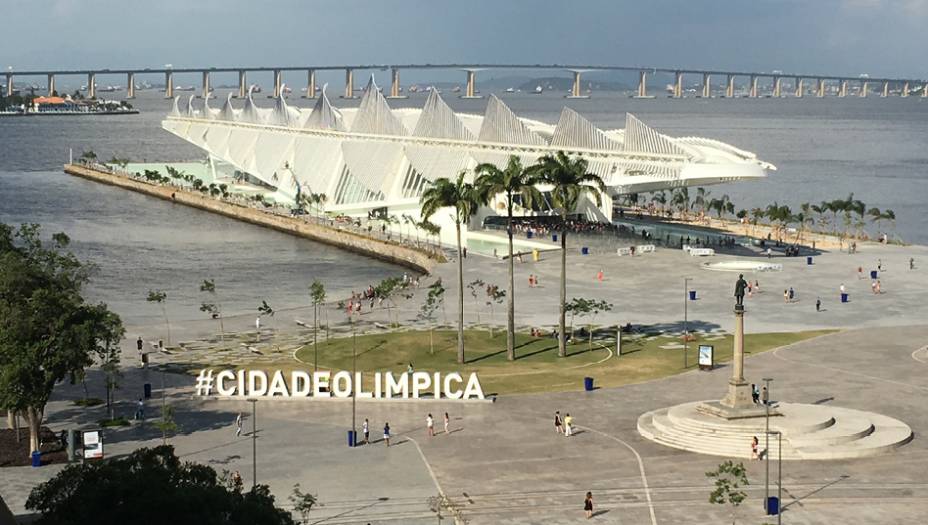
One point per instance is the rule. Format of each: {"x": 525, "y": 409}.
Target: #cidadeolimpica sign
{"x": 301, "y": 384}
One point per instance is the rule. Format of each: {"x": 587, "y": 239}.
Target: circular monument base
{"x": 809, "y": 432}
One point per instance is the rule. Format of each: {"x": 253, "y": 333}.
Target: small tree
{"x": 729, "y": 478}
{"x": 434, "y": 300}
{"x": 167, "y": 424}
{"x": 265, "y": 310}
{"x": 581, "y": 307}
{"x": 475, "y": 287}
{"x": 494, "y": 296}
{"x": 160, "y": 297}
{"x": 302, "y": 502}
{"x": 212, "y": 307}
{"x": 317, "y": 293}
{"x": 387, "y": 290}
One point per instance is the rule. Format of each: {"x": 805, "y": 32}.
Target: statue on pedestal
{"x": 739, "y": 290}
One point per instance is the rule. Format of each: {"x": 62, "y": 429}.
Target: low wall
{"x": 394, "y": 253}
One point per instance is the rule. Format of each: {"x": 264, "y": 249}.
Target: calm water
{"x": 824, "y": 149}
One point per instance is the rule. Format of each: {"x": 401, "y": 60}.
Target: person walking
{"x": 843, "y": 289}
{"x": 599, "y": 275}
{"x": 447, "y": 421}
{"x": 238, "y": 425}
{"x": 568, "y": 425}
{"x": 430, "y": 425}
{"x": 860, "y": 272}
{"x": 911, "y": 263}
{"x": 785, "y": 296}
{"x": 365, "y": 427}
{"x": 140, "y": 410}
{"x": 386, "y": 433}
{"x": 818, "y": 304}
{"x": 588, "y": 505}
{"x": 792, "y": 294}
{"x": 755, "y": 393}
{"x": 558, "y": 425}
{"x": 754, "y": 444}
{"x": 764, "y": 396}
{"x": 879, "y": 265}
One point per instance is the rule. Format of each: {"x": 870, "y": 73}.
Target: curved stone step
{"x": 809, "y": 432}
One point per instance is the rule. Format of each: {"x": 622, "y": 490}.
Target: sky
{"x": 839, "y": 37}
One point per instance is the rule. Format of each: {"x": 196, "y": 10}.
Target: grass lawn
{"x": 537, "y": 367}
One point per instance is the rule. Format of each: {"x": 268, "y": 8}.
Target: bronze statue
{"x": 739, "y": 289}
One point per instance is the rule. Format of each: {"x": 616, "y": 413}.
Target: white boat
{"x": 510, "y": 90}
{"x": 538, "y": 90}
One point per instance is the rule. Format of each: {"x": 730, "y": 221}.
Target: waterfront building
{"x": 376, "y": 158}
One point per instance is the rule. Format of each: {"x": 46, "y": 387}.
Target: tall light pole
{"x": 254, "y": 442}
{"x": 766, "y": 401}
{"x": 686, "y": 293}
{"x": 354, "y": 387}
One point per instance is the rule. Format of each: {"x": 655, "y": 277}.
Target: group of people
{"x": 370, "y": 295}
{"x": 565, "y": 425}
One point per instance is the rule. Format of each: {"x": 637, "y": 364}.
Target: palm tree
{"x": 702, "y": 199}
{"x": 660, "y": 198}
{"x": 681, "y": 199}
{"x": 569, "y": 180}
{"x": 464, "y": 199}
{"x": 756, "y": 215}
{"x": 511, "y": 181}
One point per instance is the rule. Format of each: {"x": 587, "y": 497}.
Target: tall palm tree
{"x": 464, "y": 200}
{"x": 512, "y": 181}
{"x": 702, "y": 199}
{"x": 660, "y": 197}
{"x": 569, "y": 180}
{"x": 756, "y": 215}
{"x": 681, "y": 199}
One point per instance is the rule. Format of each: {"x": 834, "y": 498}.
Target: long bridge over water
{"x": 781, "y": 83}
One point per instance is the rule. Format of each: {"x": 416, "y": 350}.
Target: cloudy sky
{"x": 879, "y": 37}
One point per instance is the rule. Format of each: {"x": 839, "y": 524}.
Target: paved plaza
{"x": 503, "y": 463}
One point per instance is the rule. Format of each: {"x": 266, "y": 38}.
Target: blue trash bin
{"x": 584, "y": 251}
{"x": 146, "y": 389}
{"x": 844, "y": 298}
{"x": 554, "y": 238}
{"x": 692, "y": 295}
{"x": 529, "y": 234}
{"x": 588, "y": 384}
{"x": 773, "y": 505}
{"x": 352, "y": 438}
{"x": 873, "y": 274}
{"x": 809, "y": 260}
{"x": 36, "y": 458}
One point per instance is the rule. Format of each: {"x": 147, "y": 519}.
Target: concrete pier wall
{"x": 379, "y": 249}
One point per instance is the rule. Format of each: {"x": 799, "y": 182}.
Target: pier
{"x": 403, "y": 255}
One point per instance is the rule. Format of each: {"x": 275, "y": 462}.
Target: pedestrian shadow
{"x": 453, "y": 431}
{"x": 600, "y": 512}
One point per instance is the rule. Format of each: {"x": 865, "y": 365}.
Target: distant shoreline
{"x": 65, "y": 113}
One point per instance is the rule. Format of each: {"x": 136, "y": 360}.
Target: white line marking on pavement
{"x": 431, "y": 472}
{"x": 805, "y": 363}
{"x": 922, "y": 349}
{"x": 644, "y": 479}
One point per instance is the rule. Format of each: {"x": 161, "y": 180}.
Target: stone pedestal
{"x": 738, "y": 402}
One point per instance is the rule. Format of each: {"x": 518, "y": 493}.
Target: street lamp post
{"x": 354, "y": 388}
{"x": 686, "y": 333}
{"x": 766, "y": 401}
{"x": 254, "y": 442}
